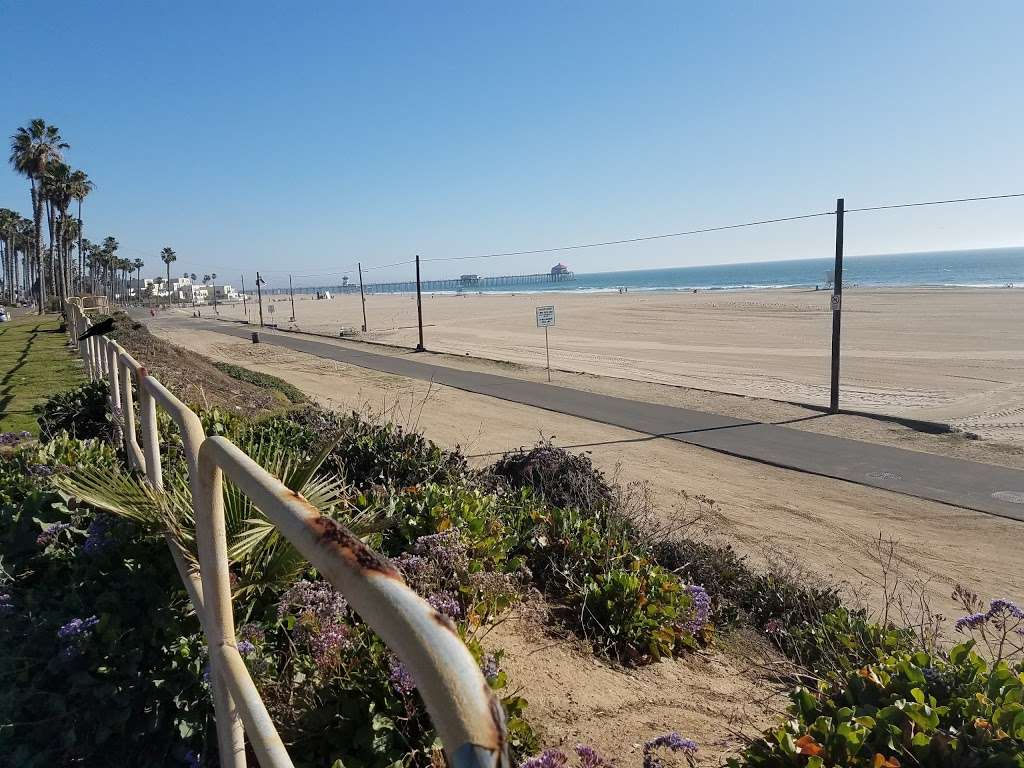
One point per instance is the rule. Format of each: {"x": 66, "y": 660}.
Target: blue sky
{"x": 259, "y": 136}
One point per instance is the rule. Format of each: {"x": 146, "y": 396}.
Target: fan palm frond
{"x": 262, "y": 557}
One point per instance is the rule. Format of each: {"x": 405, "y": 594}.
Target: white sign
{"x": 837, "y": 303}
{"x": 545, "y": 317}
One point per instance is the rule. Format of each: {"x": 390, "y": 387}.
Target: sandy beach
{"x": 943, "y": 354}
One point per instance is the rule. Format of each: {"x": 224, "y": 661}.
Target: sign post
{"x": 545, "y": 320}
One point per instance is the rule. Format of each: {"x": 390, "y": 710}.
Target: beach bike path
{"x": 969, "y": 484}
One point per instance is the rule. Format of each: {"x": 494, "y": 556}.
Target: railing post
{"x": 112, "y": 377}
{"x": 211, "y": 543}
{"x": 131, "y": 443}
{"x": 150, "y": 434}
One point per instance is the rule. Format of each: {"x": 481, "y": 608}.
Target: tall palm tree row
{"x": 37, "y": 153}
{"x": 33, "y": 148}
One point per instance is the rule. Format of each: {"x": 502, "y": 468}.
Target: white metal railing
{"x": 461, "y": 704}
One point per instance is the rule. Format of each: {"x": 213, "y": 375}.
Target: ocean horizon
{"x": 979, "y": 268}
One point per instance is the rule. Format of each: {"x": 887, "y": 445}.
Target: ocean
{"x": 993, "y": 268}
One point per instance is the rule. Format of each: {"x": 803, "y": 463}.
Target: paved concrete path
{"x": 973, "y": 485}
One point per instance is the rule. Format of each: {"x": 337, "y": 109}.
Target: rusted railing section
{"x": 462, "y": 706}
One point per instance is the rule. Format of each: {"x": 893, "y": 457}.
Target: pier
{"x": 466, "y": 283}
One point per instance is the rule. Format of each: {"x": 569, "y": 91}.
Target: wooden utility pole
{"x": 362, "y": 295}
{"x": 292, "y": 294}
{"x": 419, "y": 306}
{"x": 837, "y": 307}
{"x": 259, "y": 294}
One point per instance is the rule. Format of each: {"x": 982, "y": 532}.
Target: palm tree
{"x": 139, "y": 264}
{"x": 33, "y": 147}
{"x": 168, "y": 255}
{"x": 109, "y": 257}
{"x": 9, "y": 221}
{"x": 57, "y": 191}
{"x": 81, "y": 186}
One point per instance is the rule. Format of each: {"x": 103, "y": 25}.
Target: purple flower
{"x": 50, "y": 535}
{"x": 399, "y": 676}
{"x": 701, "y": 609}
{"x": 13, "y": 438}
{"x": 192, "y": 759}
{"x": 252, "y": 632}
{"x": 490, "y": 667}
{"x": 590, "y": 757}
{"x": 446, "y": 549}
{"x": 773, "y": 627}
{"x": 73, "y": 634}
{"x": 1004, "y": 606}
{"x": 972, "y": 621}
{"x": 97, "y": 537}
{"x": 671, "y": 741}
{"x": 39, "y": 470}
{"x": 207, "y": 675}
{"x": 317, "y": 598}
{"x": 445, "y": 602}
{"x": 321, "y": 626}
{"x": 549, "y": 758}
{"x": 77, "y": 628}
{"x": 245, "y": 647}
{"x": 327, "y": 643}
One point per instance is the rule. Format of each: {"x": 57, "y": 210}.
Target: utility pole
{"x": 259, "y": 294}
{"x": 419, "y": 306}
{"x": 362, "y": 295}
{"x": 292, "y": 294}
{"x": 837, "y": 307}
{"x": 245, "y": 307}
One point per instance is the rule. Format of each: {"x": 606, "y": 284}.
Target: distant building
{"x": 559, "y": 269}
{"x": 470, "y": 279}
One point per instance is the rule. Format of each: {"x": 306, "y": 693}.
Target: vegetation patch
{"x": 82, "y": 412}
{"x": 35, "y": 363}
{"x": 262, "y": 380}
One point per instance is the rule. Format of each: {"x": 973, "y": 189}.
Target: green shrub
{"x": 904, "y": 709}
{"x": 82, "y": 412}
{"x": 371, "y": 454}
{"x": 626, "y": 604}
{"x": 92, "y": 613}
{"x": 768, "y": 600}
{"x": 263, "y": 380}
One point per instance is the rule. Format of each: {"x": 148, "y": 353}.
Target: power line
{"x": 385, "y": 266}
{"x": 934, "y": 202}
{"x": 636, "y": 239}
{"x": 624, "y": 241}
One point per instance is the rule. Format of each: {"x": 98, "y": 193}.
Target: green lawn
{"x": 35, "y": 363}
